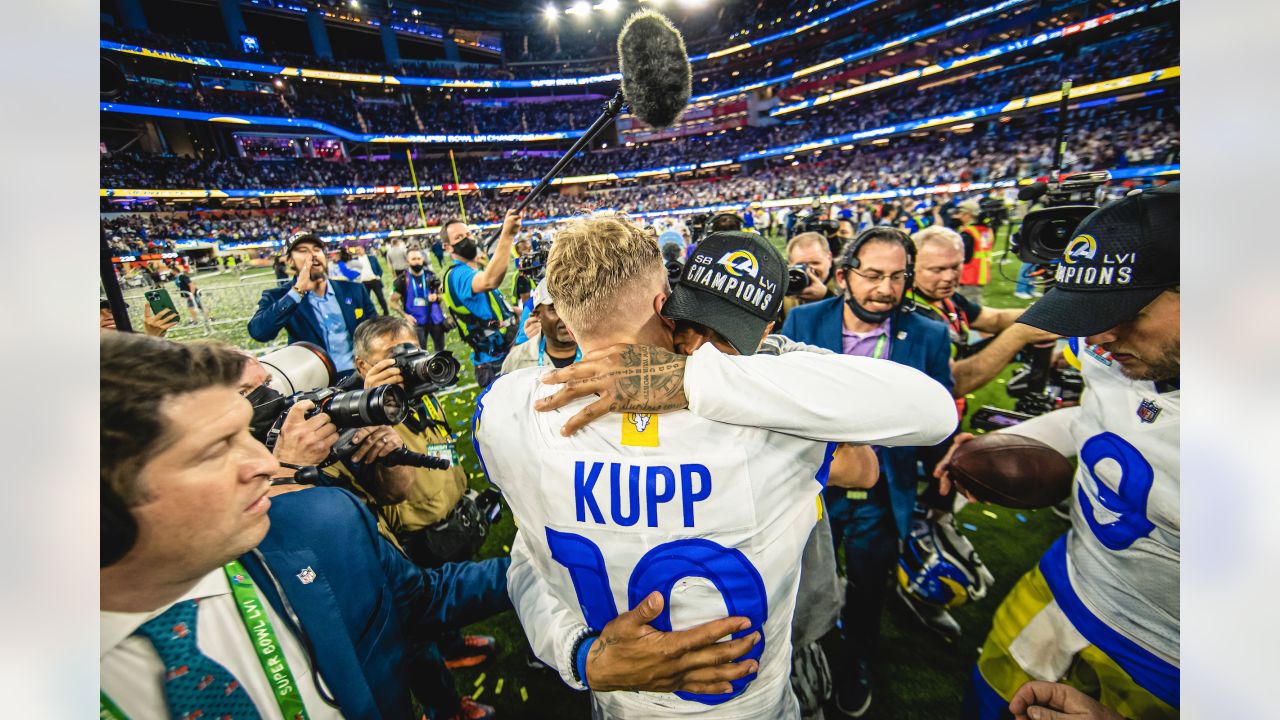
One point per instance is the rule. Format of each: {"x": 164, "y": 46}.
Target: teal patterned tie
{"x": 195, "y": 686}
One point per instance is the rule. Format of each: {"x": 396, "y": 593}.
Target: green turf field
{"x": 920, "y": 676}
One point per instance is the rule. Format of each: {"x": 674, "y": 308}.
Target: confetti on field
{"x": 497, "y": 689}
{"x": 524, "y": 694}
{"x": 506, "y": 549}
{"x": 970, "y": 396}
{"x": 1021, "y": 518}
{"x": 991, "y": 515}
{"x": 970, "y": 527}
{"x": 478, "y": 680}
{"x": 476, "y": 695}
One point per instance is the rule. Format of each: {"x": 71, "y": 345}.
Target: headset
{"x": 849, "y": 257}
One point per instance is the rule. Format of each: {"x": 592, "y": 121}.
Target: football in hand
{"x": 1011, "y": 470}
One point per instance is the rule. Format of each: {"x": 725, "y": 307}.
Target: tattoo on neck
{"x": 651, "y": 380}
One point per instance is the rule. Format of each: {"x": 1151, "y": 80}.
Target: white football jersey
{"x": 715, "y": 516}
{"x": 1122, "y": 552}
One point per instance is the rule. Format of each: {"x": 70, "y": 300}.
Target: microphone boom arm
{"x": 611, "y": 109}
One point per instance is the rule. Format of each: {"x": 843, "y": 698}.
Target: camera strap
{"x": 265, "y": 645}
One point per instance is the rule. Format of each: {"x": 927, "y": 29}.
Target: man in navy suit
{"x": 869, "y": 319}
{"x": 315, "y": 309}
{"x": 296, "y": 601}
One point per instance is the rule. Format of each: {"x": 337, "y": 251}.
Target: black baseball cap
{"x": 301, "y": 238}
{"x": 1122, "y": 256}
{"x": 734, "y": 285}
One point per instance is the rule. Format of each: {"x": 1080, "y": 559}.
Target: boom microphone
{"x": 656, "y": 78}
{"x": 656, "y": 84}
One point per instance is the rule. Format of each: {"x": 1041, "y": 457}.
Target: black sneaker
{"x": 853, "y": 696}
{"x": 931, "y": 616}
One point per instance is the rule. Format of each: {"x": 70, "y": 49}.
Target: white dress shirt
{"x": 132, "y": 673}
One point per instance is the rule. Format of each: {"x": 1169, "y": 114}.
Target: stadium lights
{"x": 550, "y": 12}
{"x": 607, "y": 5}
{"x": 355, "y": 4}
{"x": 582, "y": 7}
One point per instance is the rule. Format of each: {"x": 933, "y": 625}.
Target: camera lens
{"x": 383, "y": 405}
{"x": 442, "y": 369}
{"x": 797, "y": 279}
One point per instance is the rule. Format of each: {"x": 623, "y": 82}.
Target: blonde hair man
{"x": 677, "y": 516}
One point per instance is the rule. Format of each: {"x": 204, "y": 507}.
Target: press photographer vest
{"x": 475, "y": 331}
{"x": 978, "y": 270}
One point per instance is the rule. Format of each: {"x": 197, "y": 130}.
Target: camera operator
{"x": 1101, "y": 606}
{"x": 417, "y": 292}
{"x": 523, "y": 287}
{"x": 554, "y": 346}
{"x": 940, "y": 255}
{"x": 871, "y": 320}
{"x": 192, "y": 545}
{"x": 473, "y": 295}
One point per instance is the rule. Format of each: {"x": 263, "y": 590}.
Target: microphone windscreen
{"x": 656, "y": 78}
{"x": 1032, "y": 191}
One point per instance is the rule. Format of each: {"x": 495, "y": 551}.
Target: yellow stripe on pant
{"x": 1091, "y": 671}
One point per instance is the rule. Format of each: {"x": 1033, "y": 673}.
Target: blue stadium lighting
{"x": 865, "y": 52}
{"x": 982, "y": 55}
{"x": 309, "y": 123}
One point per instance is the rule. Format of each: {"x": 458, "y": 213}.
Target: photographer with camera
{"x": 314, "y": 309}
{"x": 417, "y": 292}
{"x": 1100, "y": 610}
{"x": 473, "y": 295}
{"x": 940, "y": 256}
{"x": 809, "y": 273}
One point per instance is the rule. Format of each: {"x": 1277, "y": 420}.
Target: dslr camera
{"x": 424, "y": 372}
{"x": 797, "y": 278}
{"x": 824, "y": 226}
{"x": 351, "y": 410}
{"x": 533, "y": 264}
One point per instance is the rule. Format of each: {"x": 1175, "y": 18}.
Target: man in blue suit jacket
{"x": 869, "y": 319}
{"x": 315, "y": 309}
{"x": 341, "y": 616}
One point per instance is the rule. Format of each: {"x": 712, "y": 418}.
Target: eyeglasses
{"x": 877, "y": 278}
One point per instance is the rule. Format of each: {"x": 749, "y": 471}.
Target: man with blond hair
{"x": 680, "y": 516}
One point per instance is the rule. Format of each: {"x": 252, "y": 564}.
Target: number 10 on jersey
{"x": 660, "y": 569}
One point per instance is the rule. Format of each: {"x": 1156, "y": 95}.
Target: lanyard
{"x": 879, "y": 348}
{"x": 542, "y": 352}
{"x": 265, "y": 646}
{"x": 419, "y": 284}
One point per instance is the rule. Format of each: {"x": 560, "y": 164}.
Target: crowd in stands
{"x": 1098, "y": 139}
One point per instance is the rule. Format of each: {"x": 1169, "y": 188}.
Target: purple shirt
{"x": 864, "y": 344}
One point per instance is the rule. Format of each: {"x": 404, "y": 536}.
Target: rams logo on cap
{"x": 739, "y": 263}
{"x": 1081, "y": 246}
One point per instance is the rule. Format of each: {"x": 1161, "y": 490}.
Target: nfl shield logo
{"x": 307, "y": 576}
{"x": 1148, "y": 411}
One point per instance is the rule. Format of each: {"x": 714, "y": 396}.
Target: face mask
{"x": 465, "y": 249}
{"x": 267, "y": 404}
{"x": 415, "y": 267}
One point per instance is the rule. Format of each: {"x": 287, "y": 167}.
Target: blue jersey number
{"x": 660, "y": 569}
{"x": 1128, "y": 501}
